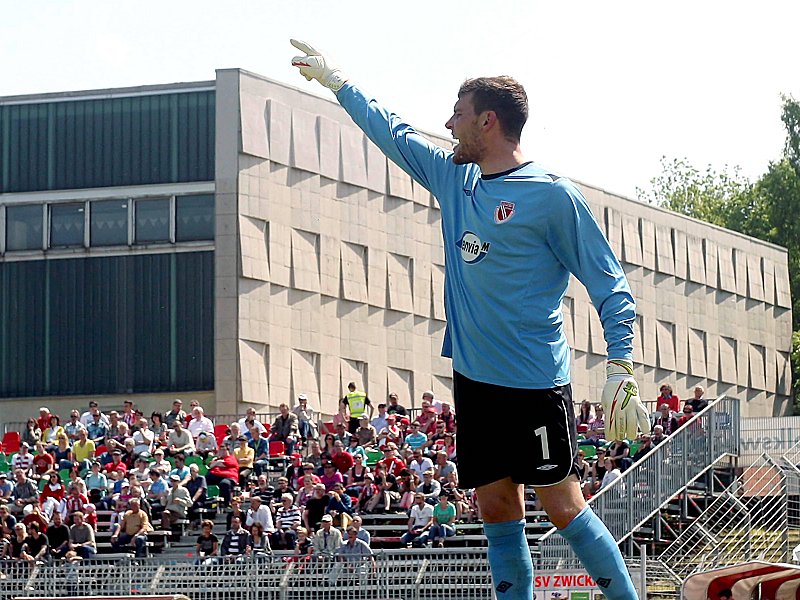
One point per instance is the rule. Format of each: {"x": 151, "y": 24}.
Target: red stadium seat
{"x": 220, "y": 431}
{"x": 277, "y": 448}
{"x": 11, "y": 442}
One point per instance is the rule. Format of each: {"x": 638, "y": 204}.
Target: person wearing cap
{"x": 379, "y": 421}
{"x": 358, "y": 403}
{"x": 176, "y": 503}
{"x": 176, "y": 413}
{"x": 394, "y": 407}
{"x": 159, "y": 462}
{"x": 179, "y": 439}
{"x": 391, "y": 433}
{"x": 327, "y": 539}
{"x": 306, "y": 418}
{"x": 22, "y": 459}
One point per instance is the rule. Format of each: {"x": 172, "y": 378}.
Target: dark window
{"x": 194, "y": 218}
{"x": 24, "y": 227}
{"x": 67, "y": 224}
{"x": 109, "y": 223}
{"x": 152, "y": 221}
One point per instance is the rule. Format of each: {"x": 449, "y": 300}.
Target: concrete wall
{"x": 330, "y": 269}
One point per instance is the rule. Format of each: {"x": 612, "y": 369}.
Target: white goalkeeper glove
{"x": 621, "y": 403}
{"x": 314, "y": 66}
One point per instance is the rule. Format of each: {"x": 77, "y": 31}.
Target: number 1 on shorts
{"x": 542, "y": 432}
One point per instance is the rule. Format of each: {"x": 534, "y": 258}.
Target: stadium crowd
{"x": 292, "y": 484}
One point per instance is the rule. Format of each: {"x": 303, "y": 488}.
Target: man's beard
{"x": 467, "y": 152}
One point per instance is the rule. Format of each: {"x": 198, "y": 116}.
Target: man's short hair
{"x": 505, "y": 96}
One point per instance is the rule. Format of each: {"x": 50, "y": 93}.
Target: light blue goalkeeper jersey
{"x": 511, "y": 241}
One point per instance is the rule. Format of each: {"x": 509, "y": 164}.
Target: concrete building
{"x": 239, "y": 242}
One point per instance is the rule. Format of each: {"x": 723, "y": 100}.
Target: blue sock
{"x": 510, "y": 560}
{"x": 600, "y": 555}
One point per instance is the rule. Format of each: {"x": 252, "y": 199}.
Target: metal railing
{"x": 651, "y": 482}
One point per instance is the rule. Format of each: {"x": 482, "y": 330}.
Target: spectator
{"x": 444, "y": 516}
{"x": 175, "y": 414}
{"x": 342, "y": 435}
{"x": 327, "y": 539}
{"x": 328, "y": 442}
{"x": 448, "y": 417}
{"x": 207, "y": 544}
{"x": 419, "y": 523}
{"x": 276, "y": 496}
{"x": 198, "y": 490}
{"x": 128, "y": 453}
{"x": 306, "y": 418}
{"x": 355, "y": 549}
{"x": 287, "y": 520}
{"x": 407, "y": 483}
{"x": 443, "y": 467}
{"x": 260, "y": 447}
{"x": 249, "y": 421}
{"x": 340, "y": 506}
{"x": 143, "y": 438}
{"x": 128, "y": 415}
{"x": 340, "y": 458}
{"x": 645, "y": 447}
{"x": 25, "y": 492}
{"x": 585, "y": 414}
{"x": 284, "y": 429}
{"x": 457, "y": 496}
{"x": 598, "y": 471}
{"x": 341, "y": 416}
{"x": 36, "y": 544}
{"x": 236, "y": 511}
{"x": 314, "y": 455}
{"x": 43, "y": 462}
{"x": 113, "y": 433}
{"x": 450, "y": 446}
{"x": 44, "y": 418}
{"x": 362, "y": 533}
{"x": 245, "y": 456}
{"x": 415, "y": 438}
{"x": 394, "y": 408}
{"x": 366, "y": 434}
{"x": 160, "y": 463}
{"x": 180, "y": 469}
{"x": 236, "y": 541}
{"x": 180, "y": 440}
{"x": 14, "y": 547}
{"x": 176, "y": 503}
{"x": 391, "y": 463}
{"x": 31, "y": 435}
{"x": 159, "y": 428}
{"x": 88, "y": 417}
{"x": 597, "y": 426}
{"x": 620, "y": 450}
{"x": 426, "y": 421}
{"x": 157, "y": 492}
{"x": 581, "y": 466}
{"x": 388, "y": 490}
{"x": 358, "y": 403}
{"x": 612, "y": 473}
{"x": 97, "y": 429}
{"x": 315, "y": 507}
{"x": 303, "y": 547}
{"x": 308, "y": 475}
{"x": 58, "y": 535}
{"x": 436, "y": 439}
{"x": 688, "y": 415}
{"x": 6, "y": 487}
{"x": 356, "y": 475}
{"x": 391, "y": 434}
{"x": 199, "y": 423}
{"x": 81, "y": 537}
{"x": 259, "y": 513}
{"x": 698, "y": 402}
{"x": 330, "y": 475}
{"x": 668, "y": 398}
{"x": 224, "y": 472}
{"x": 666, "y": 420}
{"x": 7, "y": 522}
{"x": 23, "y": 459}
{"x": 83, "y": 451}
{"x": 73, "y": 426}
{"x": 52, "y": 493}
{"x": 259, "y": 541}
{"x": 116, "y": 441}
{"x": 420, "y": 463}
{"x": 430, "y": 488}
{"x": 368, "y": 494}
{"x": 132, "y": 530}
{"x": 206, "y": 445}
{"x": 658, "y": 435}
{"x": 295, "y": 471}
{"x": 380, "y": 421}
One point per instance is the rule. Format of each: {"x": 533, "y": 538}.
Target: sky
{"x": 613, "y": 85}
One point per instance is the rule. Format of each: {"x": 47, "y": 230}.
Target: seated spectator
{"x": 206, "y": 445}
{"x": 394, "y": 408}
{"x": 443, "y": 467}
{"x": 436, "y": 440}
{"x": 198, "y": 490}
{"x": 330, "y": 475}
{"x": 448, "y": 417}
{"x": 658, "y": 435}
{"x": 245, "y": 457}
{"x": 199, "y": 423}
{"x": 93, "y": 411}
{"x": 327, "y": 538}
{"x": 180, "y": 469}
{"x": 366, "y": 434}
{"x": 368, "y": 493}
{"x": 236, "y": 541}
{"x": 328, "y": 443}
{"x": 157, "y": 492}
{"x": 668, "y": 398}
{"x": 116, "y": 441}
{"x": 132, "y": 530}
{"x": 597, "y": 426}
{"x": 340, "y": 506}
{"x": 249, "y": 421}
{"x": 612, "y": 473}
{"x": 596, "y": 474}
{"x": 285, "y": 428}
{"x": 180, "y": 440}
{"x": 644, "y": 447}
{"x": 7, "y": 522}
{"x": 450, "y": 447}
{"x": 666, "y": 420}
{"x": 25, "y": 492}
{"x": 444, "y": 517}
{"x": 315, "y": 507}
{"x": 224, "y": 472}
{"x": 294, "y": 472}
{"x": 58, "y": 535}
{"x": 420, "y": 463}
{"x": 263, "y": 489}
{"x": 260, "y": 513}
{"x": 430, "y": 488}
{"x": 160, "y": 463}
{"x": 260, "y": 447}
{"x": 362, "y": 533}
{"x": 419, "y": 523}
{"x": 73, "y": 426}
{"x": 390, "y": 462}
{"x": 391, "y": 434}
{"x": 340, "y": 458}
{"x": 129, "y": 453}
{"x": 176, "y": 503}
{"x": 207, "y": 544}
{"x": 688, "y": 415}
{"x": 259, "y": 541}
{"x": 415, "y": 438}
{"x": 585, "y": 414}
{"x": 276, "y": 498}
{"x": 457, "y": 497}
{"x": 143, "y": 438}
{"x": 426, "y": 421}
{"x": 6, "y": 487}
{"x": 52, "y": 493}
{"x": 379, "y": 422}
{"x": 342, "y": 435}
{"x": 236, "y": 511}
{"x": 81, "y": 537}
{"x": 43, "y": 462}
{"x": 176, "y": 413}
{"x": 303, "y": 548}
{"x": 698, "y": 401}
{"x": 306, "y": 418}
{"x": 620, "y": 450}
{"x": 128, "y": 415}
{"x": 307, "y": 489}
{"x": 314, "y": 455}
{"x": 355, "y": 549}
{"x": 36, "y": 544}
{"x": 23, "y": 460}
{"x": 52, "y": 431}
{"x": 356, "y": 475}
{"x": 83, "y": 451}
{"x": 97, "y": 429}
{"x": 31, "y": 435}
{"x": 388, "y": 490}
{"x": 581, "y": 466}
{"x": 407, "y": 483}
{"x": 159, "y": 428}
{"x": 287, "y": 521}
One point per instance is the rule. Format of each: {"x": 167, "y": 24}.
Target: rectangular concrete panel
{"x": 665, "y": 253}
{"x": 353, "y": 165}
{"x": 305, "y": 260}
{"x": 756, "y": 365}
{"x": 631, "y": 240}
{"x": 280, "y": 129}
{"x": 648, "y": 230}
{"x": 305, "y": 143}
{"x": 697, "y": 267}
{"x": 399, "y": 279}
{"x": 354, "y": 272}
{"x": 255, "y": 134}
{"x": 755, "y": 279}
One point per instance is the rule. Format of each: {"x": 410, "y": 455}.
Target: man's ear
{"x": 488, "y": 120}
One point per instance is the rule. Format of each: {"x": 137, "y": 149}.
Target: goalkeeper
{"x": 513, "y": 233}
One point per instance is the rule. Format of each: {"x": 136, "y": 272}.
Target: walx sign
{"x": 773, "y": 435}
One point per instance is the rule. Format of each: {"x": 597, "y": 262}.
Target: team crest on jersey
{"x": 473, "y": 250}
{"x": 504, "y": 212}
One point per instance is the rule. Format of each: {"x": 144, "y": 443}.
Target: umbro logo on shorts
{"x": 546, "y": 467}
{"x": 604, "y": 582}
{"x": 503, "y": 586}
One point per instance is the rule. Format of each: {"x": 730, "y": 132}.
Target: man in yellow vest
{"x": 359, "y": 405}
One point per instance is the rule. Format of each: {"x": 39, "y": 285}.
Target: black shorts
{"x": 528, "y": 435}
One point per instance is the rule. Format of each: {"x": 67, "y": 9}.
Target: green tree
{"x": 766, "y": 209}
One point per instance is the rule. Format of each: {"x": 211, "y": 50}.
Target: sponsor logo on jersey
{"x": 503, "y": 586}
{"x": 473, "y": 250}
{"x": 546, "y": 467}
{"x": 504, "y": 212}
